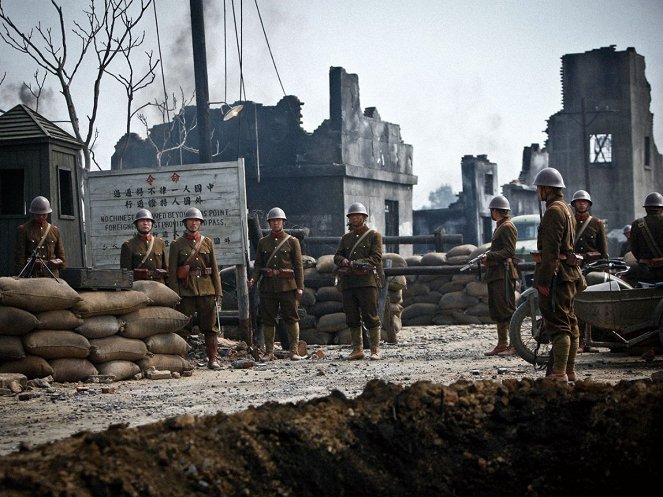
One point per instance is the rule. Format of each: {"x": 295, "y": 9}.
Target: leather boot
{"x": 571, "y": 361}
{"x": 560, "y": 376}
{"x": 500, "y": 347}
{"x": 212, "y": 345}
{"x": 374, "y": 336}
{"x": 269, "y": 332}
{"x": 357, "y": 345}
{"x": 293, "y": 338}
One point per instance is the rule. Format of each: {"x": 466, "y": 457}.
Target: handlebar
{"x": 611, "y": 265}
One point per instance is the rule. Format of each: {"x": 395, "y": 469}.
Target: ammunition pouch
{"x": 183, "y": 272}
{"x": 286, "y": 274}
{"x": 141, "y": 274}
{"x": 656, "y": 262}
{"x": 200, "y": 272}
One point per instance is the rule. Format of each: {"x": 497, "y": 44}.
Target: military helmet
{"x": 193, "y": 213}
{"x": 40, "y": 205}
{"x": 581, "y": 195}
{"x": 357, "y": 208}
{"x": 654, "y": 199}
{"x": 143, "y": 214}
{"x": 500, "y": 202}
{"x": 549, "y": 176}
{"x": 276, "y": 213}
{"x": 627, "y": 229}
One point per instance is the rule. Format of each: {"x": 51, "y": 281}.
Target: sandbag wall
{"x": 47, "y": 328}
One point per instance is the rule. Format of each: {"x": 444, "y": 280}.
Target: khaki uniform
{"x": 28, "y": 237}
{"x": 499, "y": 263}
{"x": 644, "y": 271}
{"x": 360, "y": 302}
{"x": 592, "y": 239}
{"x": 203, "y": 283}
{"x": 555, "y": 241}
{"x": 277, "y": 293}
{"x": 133, "y": 251}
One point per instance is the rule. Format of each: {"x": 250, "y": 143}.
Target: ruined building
{"x": 602, "y": 140}
{"x": 354, "y": 156}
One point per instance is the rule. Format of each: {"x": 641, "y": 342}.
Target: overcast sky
{"x": 459, "y": 77}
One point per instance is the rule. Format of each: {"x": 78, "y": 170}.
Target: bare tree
{"x": 103, "y": 35}
{"x": 175, "y": 133}
{"x": 38, "y": 89}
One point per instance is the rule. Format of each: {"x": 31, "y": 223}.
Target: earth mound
{"x": 481, "y": 438}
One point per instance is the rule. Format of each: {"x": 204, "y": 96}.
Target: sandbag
{"x": 457, "y": 300}
{"x": 315, "y": 279}
{"x": 62, "y": 319}
{"x": 56, "y": 344}
{"x": 325, "y": 264}
{"x": 433, "y": 259}
{"x": 464, "y": 249}
{"x": 326, "y": 293}
{"x": 153, "y": 321}
{"x": 116, "y": 348}
{"x": 71, "y": 369}
{"x": 31, "y": 366}
{"x": 165, "y": 362}
{"x": 328, "y": 307}
{"x": 167, "y": 343}
{"x": 111, "y": 302}
{"x": 331, "y": 323}
{"x": 100, "y": 326}
{"x": 37, "y": 294}
{"x": 158, "y": 293}
{"x": 11, "y": 348}
{"x": 122, "y": 370}
{"x": 16, "y": 321}
{"x": 397, "y": 260}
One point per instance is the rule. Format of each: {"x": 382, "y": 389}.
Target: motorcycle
{"x": 611, "y": 312}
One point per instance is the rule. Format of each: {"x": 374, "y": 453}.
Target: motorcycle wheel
{"x": 525, "y": 333}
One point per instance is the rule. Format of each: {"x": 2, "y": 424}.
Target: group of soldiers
{"x": 568, "y": 237}
{"x": 191, "y": 270}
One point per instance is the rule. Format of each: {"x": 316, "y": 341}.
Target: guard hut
{"x": 38, "y": 158}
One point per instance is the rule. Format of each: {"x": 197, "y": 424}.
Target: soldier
{"x": 557, "y": 275}
{"x": 591, "y": 241}
{"x": 626, "y": 244}
{"x": 194, "y": 274}
{"x": 501, "y": 274}
{"x": 145, "y": 254}
{"x": 278, "y": 267}
{"x": 359, "y": 257}
{"x": 39, "y": 248}
{"x": 647, "y": 243}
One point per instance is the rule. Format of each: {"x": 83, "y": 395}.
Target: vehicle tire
{"x": 524, "y": 332}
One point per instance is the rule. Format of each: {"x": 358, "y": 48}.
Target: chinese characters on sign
{"x": 114, "y": 197}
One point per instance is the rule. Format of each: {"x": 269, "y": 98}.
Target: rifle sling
{"x": 649, "y": 238}
{"x": 149, "y": 251}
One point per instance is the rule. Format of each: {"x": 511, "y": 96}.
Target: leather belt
{"x": 201, "y": 272}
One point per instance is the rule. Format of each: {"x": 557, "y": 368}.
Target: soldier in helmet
{"x": 626, "y": 244}
{"x": 278, "y": 267}
{"x": 358, "y": 256}
{"x": 194, "y": 274}
{"x": 502, "y": 274}
{"x": 557, "y": 274}
{"x": 39, "y": 247}
{"x": 145, "y": 254}
{"x": 647, "y": 243}
{"x": 591, "y": 241}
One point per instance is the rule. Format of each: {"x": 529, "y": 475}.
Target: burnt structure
{"x": 602, "y": 140}
{"x": 354, "y": 156}
{"x": 38, "y": 158}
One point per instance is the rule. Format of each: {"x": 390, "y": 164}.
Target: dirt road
{"x": 441, "y": 354}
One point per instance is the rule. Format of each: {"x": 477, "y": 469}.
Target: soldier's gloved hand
{"x": 250, "y": 282}
{"x": 298, "y": 293}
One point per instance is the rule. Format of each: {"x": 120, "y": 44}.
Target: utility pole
{"x": 585, "y": 143}
{"x": 200, "y": 72}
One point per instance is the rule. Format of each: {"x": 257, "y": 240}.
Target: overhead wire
{"x": 262, "y": 25}
{"x": 163, "y": 78}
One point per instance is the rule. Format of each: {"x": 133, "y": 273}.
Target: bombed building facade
{"x": 354, "y": 156}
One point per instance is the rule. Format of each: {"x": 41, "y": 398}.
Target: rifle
{"x": 476, "y": 260}
{"x": 356, "y": 267}
{"x": 32, "y": 262}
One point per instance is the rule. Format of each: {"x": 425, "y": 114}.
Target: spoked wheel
{"x": 526, "y": 333}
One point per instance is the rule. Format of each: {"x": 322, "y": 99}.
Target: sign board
{"x": 112, "y": 199}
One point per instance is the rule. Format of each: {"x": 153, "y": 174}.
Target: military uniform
{"x": 592, "y": 238}
{"x": 499, "y": 263}
{"x": 557, "y": 272}
{"x": 647, "y": 270}
{"x": 202, "y": 284}
{"x": 359, "y": 287}
{"x": 28, "y": 237}
{"x": 280, "y": 276}
{"x": 133, "y": 252}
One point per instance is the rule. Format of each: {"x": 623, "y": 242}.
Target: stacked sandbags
{"x": 459, "y": 298}
{"x": 47, "y": 328}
